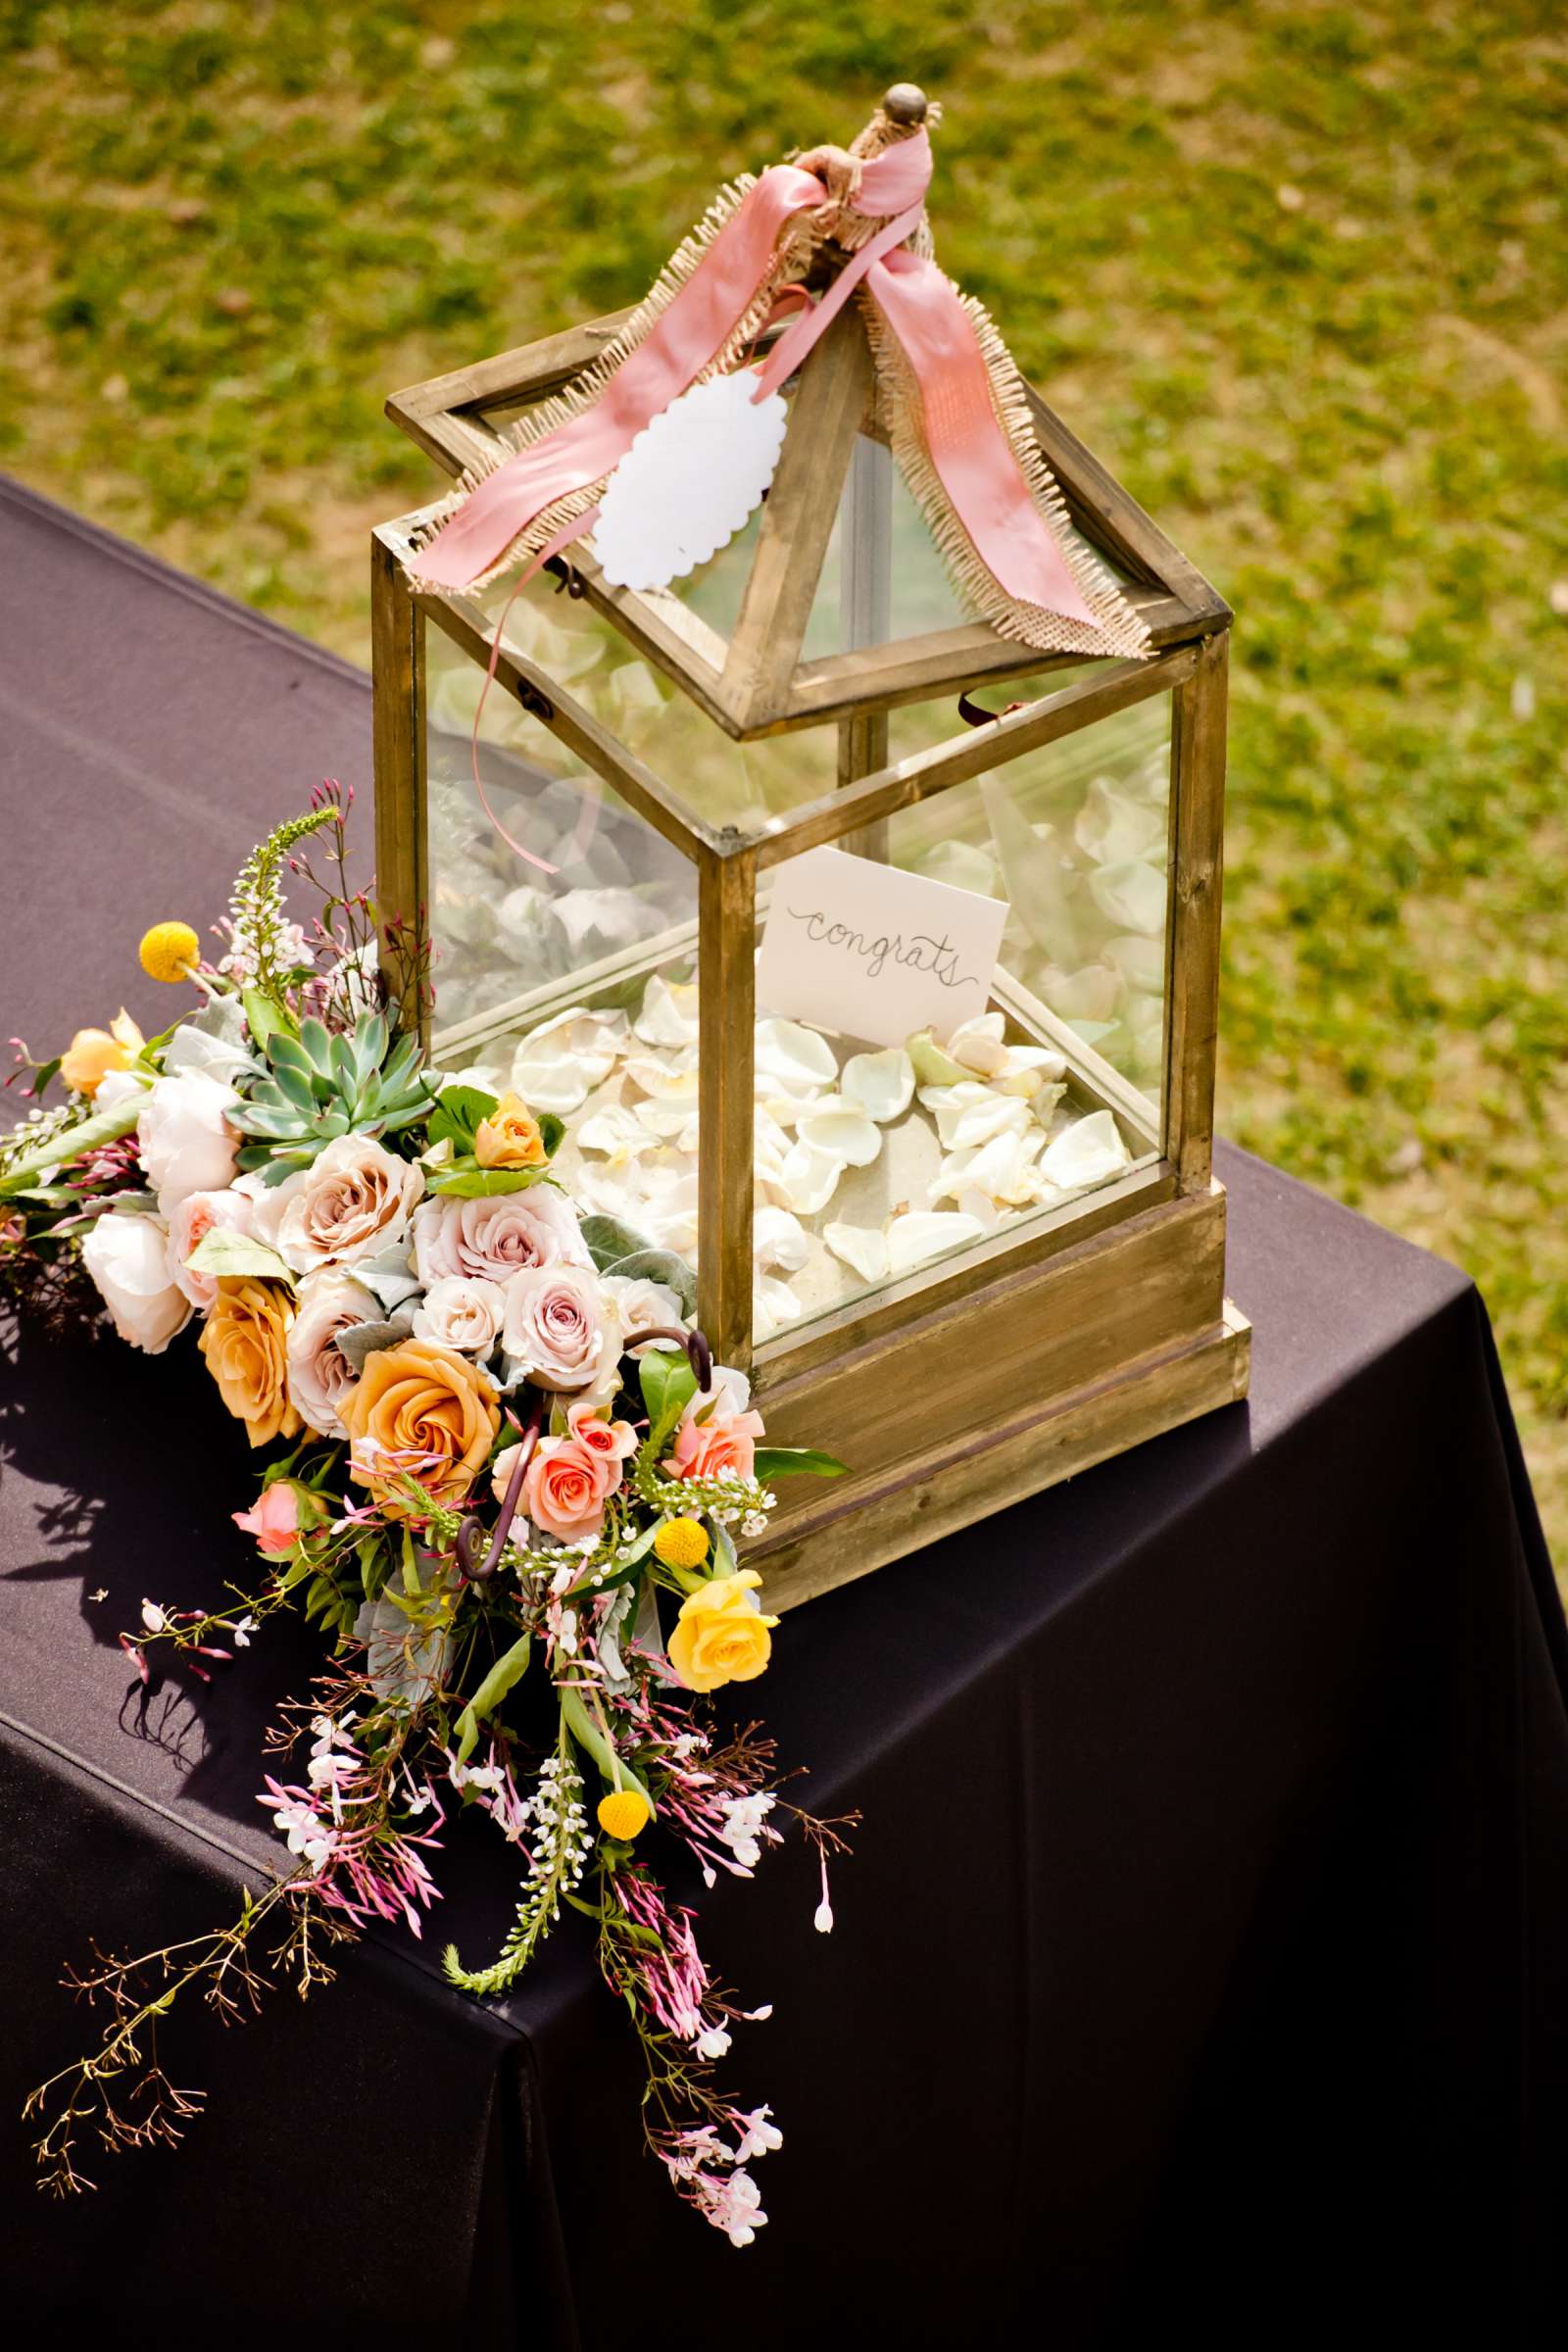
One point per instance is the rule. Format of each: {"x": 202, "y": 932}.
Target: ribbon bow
{"x": 952, "y": 396}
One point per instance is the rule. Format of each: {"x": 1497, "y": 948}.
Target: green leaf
{"x": 552, "y": 1131}
{"x": 509, "y": 1668}
{"x": 783, "y": 1461}
{"x": 263, "y": 1019}
{"x": 456, "y": 1116}
{"x": 669, "y": 1384}
{"x": 589, "y": 1738}
{"x": 221, "y": 1251}
{"x": 316, "y": 1039}
{"x": 466, "y": 1180}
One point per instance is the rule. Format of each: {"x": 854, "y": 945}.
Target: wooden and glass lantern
{"x": 973, "y": 1264}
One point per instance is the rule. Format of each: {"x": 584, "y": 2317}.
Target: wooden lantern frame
{"x": 1066, "y": 1339}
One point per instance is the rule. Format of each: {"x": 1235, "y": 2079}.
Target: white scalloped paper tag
{"x": 689, "y": 482}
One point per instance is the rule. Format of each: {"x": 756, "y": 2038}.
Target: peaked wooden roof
{"x": 757, "y": 680}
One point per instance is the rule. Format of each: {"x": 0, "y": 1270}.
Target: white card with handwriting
{"x": 869, "y": 952}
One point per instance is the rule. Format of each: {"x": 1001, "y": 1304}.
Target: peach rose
{"x": 721, "y": 1635}
{"x": 94, "y": 1053}
{"x": 592, "y": 1428}
{"x": 509, "y": 1137}
{"x": 717, "y": 1432}
{"x": 189, "y": 1226}
{"x": 565, "y": 1490}
{"x": 274, "y": 1518}
{"x": 423, "y": 1413}
{"x": 716, "y": 1447}
{"x": 245, "y": 1340}
{"x": 354, "y": 1200}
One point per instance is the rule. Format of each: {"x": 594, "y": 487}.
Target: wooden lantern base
{"x": 991, "y": 1398}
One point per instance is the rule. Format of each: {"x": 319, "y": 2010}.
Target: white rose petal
{"x": 1089, "y": 1150}
{"x": 775, "y": 1306}
{"x": 557, "y": 1066}
{"x": 861, "y": 1246}
{"x": 669, "y": 1014}
{"x": 844, "y": 1133}
{"x": 778, "y": 1239}
{"x": 1131, "y": 895}
{"x": 666, "y": 1077}
{"x": 882, "y": 1085}
{"x": 979, "y": 1122}
{"x": 809, "y": 1178}
{"x": 616, "y": 1132}
{"x": 1004, "y": 1169}
{"x": 1140, "y": 961}
{"x": 799, "y": 1059}
{"x": 978, "y": 1043}
{"x": 1109, "y": 828}
{"x": 925, "y": 1233}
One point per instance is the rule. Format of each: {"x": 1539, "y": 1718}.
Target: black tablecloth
{"x": 1202, "y": 1960}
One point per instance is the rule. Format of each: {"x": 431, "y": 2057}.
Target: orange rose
{"x": 94, "y": 1053}
{"x": 244, "y": 1341}
{"x": 423, "y": 1413}
{"x": 509, "y": 1137}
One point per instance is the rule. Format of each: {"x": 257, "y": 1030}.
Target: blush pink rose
{"x": 489, "y": 1239}
{"x": 560, "y": 1329}
{"x": 275, "y": 1518}
{"x": 565, "y": 1490}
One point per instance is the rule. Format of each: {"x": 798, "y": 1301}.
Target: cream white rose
{"x": 642, "y": 1305}
{"x": 354, "y": 1200}
{"x": 560, "y": 1330}
{"x": 127, "y": 1258}
{"x": 462, "y": 1312}
{"x": 192, "y": 1222}
{"x": 320, "y": 1376}
{"x": 495, "y": 1238}
{"x": 184, "y": 1138}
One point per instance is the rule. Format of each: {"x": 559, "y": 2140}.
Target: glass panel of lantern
{"x": 575, "y": 979}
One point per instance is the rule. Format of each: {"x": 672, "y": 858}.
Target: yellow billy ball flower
{"x": 168, "y": 949}
{"x": 681, "y": 1543}
{"x": 624, "y": 1812}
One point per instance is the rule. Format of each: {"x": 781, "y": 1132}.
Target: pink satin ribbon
{"x": 680, "y": 343}
{"x": 971, "y": 451}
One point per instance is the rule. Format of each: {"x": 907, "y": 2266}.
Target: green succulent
{"x": 320, "y": 1085}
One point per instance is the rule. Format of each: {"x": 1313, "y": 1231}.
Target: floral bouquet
{"x": 495, "y": 1443}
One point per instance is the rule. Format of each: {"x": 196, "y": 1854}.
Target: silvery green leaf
{"x": 609, "y": 1241}
{"x": 361, "y": 1341}
{"x": 659, "y": 1265}
{"x": 389, "y": 1276}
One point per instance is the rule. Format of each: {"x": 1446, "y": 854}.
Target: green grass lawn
{"x": 1299, "y": 271}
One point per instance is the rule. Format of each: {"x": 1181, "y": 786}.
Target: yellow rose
{"x": 244, "y": 1341}
{"x": 509, "y": 1137}
{"x": 94, "y": 1053}
{"x": 423, "y": 1413}
{"x": 721, "y": 1636}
